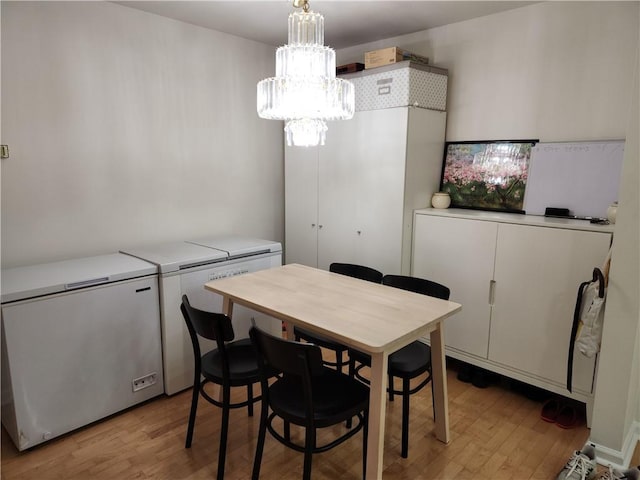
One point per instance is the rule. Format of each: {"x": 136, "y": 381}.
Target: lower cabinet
{"x": 517, "y": 280}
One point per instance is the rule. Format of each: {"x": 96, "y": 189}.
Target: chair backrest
{"x": 357, "y": 271}
{"x": 290, "y": 358}
{"x": 417, "y": 285}
{"x": 213, "y": 326}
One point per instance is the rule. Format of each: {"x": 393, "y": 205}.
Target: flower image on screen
{"x": 487, "y": 175}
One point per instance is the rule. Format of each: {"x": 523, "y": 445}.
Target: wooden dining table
{"x": 373, "y": 318}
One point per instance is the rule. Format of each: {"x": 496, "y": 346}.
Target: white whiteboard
{"x": 581, "y": 176}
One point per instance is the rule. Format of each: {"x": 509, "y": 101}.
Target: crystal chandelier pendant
{"x": 305, "y": 92}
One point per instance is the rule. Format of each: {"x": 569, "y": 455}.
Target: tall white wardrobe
{"x": 352, "y": 200}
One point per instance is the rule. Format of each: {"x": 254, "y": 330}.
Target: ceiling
{"x": 347, "y": 23}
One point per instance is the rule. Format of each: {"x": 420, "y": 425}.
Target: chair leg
{"x": 405, "y": 417}
{"x": 339, "y": 361}
{"x": 192, "y": 414}
{"x": 309, "y": 446}
{"x": 250, "y": 399}
{"x": 287, "y": 431}
{"x": 365, "y": 436}
{"x": 433, "y": 397}
{"x": 390, "y": 387}
{"x": 262, "y": 431}
{"x": 352, "y": 373}
{"x": 224, "y": 430}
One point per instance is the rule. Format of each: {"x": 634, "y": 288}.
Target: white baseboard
{"x": 619, "y": 458}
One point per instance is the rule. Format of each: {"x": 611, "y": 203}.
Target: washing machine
{"x": 184, "y": 268}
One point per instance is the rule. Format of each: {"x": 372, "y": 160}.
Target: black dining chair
{"x": 410, "y": 361}
{"x": 351, "y": 270}
{"x": 307, "y": 394}
{"x": 231, "y": 364}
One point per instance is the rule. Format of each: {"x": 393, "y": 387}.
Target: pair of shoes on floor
{"x": 581, "y": 465}
{"x": 478, "y": 377}
{"x": 560, "y": 412}
{"x": 615, "y": 474}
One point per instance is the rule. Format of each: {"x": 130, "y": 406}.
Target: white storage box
{"x": 399, "y": 85}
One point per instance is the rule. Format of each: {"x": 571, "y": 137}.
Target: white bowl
{"x": 440, "y": 200}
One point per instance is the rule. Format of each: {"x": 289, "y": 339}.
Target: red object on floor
{"x": 550, "y": 410}
{"x": 567, "y": 417}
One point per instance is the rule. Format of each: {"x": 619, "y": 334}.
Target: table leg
{"x": 377, "y": 410}
{"x": 439, "y": 372}
{"x": 227, "y": 307}
{"x": 288, "y": 326}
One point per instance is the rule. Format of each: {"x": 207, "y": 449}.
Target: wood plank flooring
{"x": 496, "y": 433}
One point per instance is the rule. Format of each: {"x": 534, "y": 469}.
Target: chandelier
{"x": 305, "y": 92}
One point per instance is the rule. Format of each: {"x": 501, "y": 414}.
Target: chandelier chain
{"x": 304, "y": 4}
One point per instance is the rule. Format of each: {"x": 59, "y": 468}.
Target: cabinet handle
{"x": 319, "y": 226}
{"x": 359, "y": 232}
{"x": 313, "y": 225}
{"x": 492, "y": 292}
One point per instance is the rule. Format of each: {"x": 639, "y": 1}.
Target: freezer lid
{"x": 26, "y": 282}
{"x": 176, "y": 256}
{"x": 238, "y": 246}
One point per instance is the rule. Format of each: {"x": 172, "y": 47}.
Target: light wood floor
{"x": 496, "y": 433}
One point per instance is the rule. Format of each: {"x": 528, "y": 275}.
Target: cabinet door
{"x": 361, "y": 190}
{"x": 380, "y": 179}
{"x": 538, "y": 272}
{"x": 460, "y": 254}
{"x": 301, "y": 205}
{"x": 337, "y": 191}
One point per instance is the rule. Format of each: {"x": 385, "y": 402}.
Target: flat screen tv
{"x": 487, "y": 174}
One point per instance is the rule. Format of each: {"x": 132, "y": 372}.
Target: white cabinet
{"x": 352, "y": 199}
{"x": 517, "y": 279}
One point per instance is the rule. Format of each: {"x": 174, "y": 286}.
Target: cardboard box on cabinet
{"x": 391, "y": 55}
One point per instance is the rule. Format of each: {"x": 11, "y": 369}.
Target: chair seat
{"x": 410, "y": 361}
{"x": 336, "y": 398}
{"x": 243, "y": 365}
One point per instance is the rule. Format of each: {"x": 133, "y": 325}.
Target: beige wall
{"x": 127, "y": 128}
{"x": 558, "y": 71}
{"x": 555, "y": 71}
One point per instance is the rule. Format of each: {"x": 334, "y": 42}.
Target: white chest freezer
{"x": 184, "y": 269}
{"x": 80, "y": 341}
